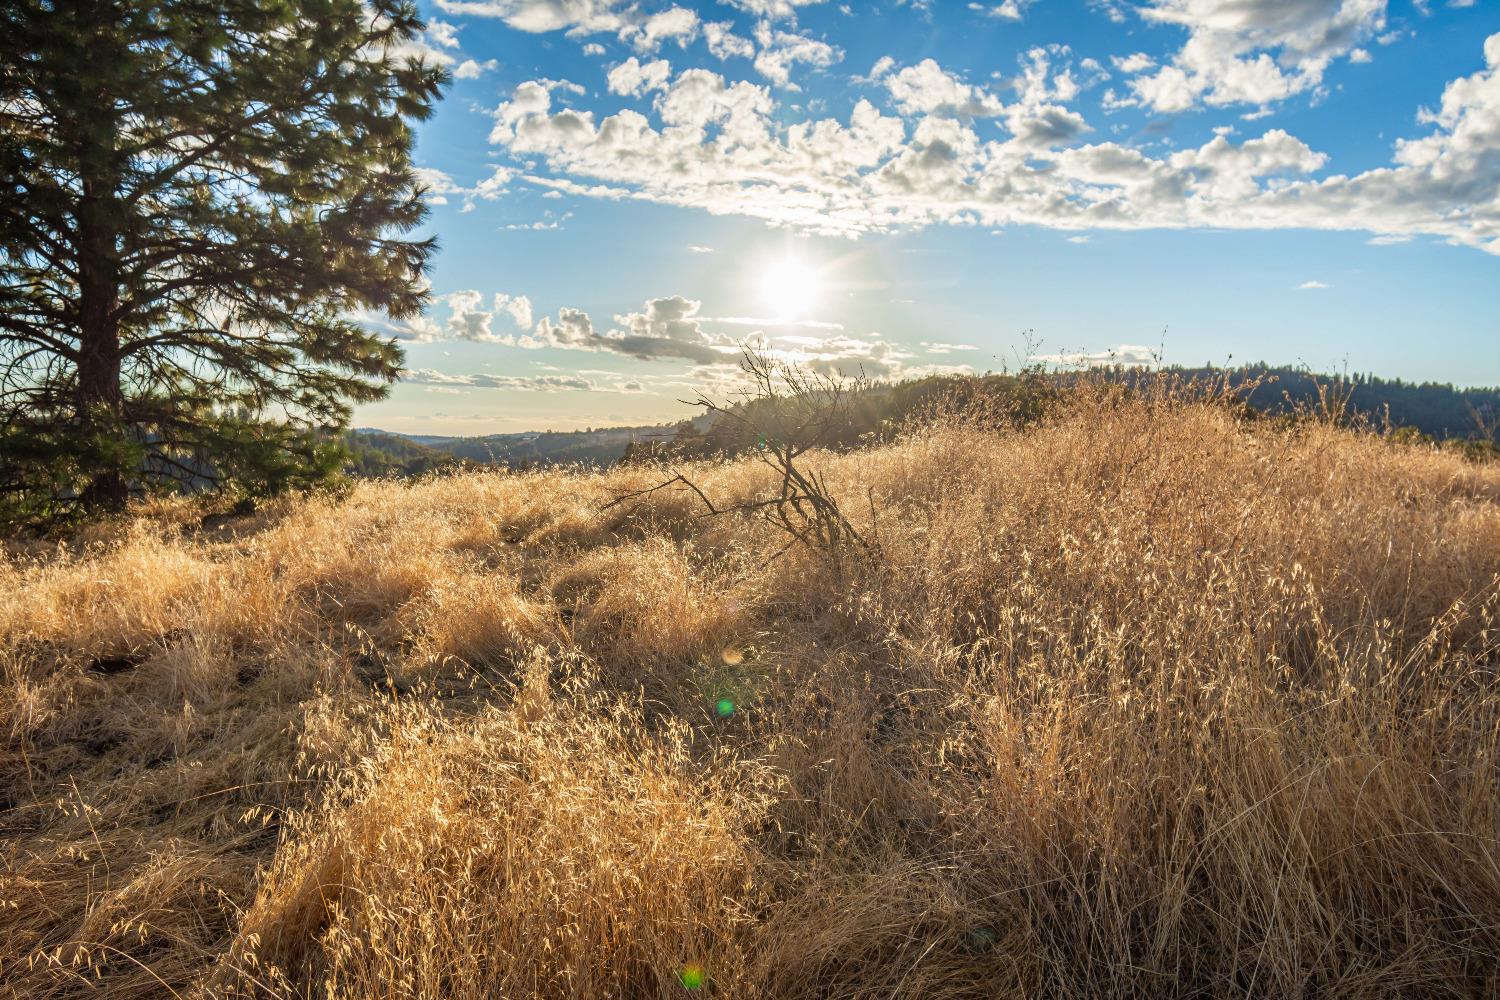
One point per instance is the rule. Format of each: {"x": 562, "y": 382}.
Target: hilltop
{"x": 1141, "y": 697}
{"x": 1437, "y": 411}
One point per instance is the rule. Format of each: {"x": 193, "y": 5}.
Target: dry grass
{"x": 1141, "y": 701}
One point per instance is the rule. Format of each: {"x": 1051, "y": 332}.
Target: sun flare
{"x": 790, "y": 288}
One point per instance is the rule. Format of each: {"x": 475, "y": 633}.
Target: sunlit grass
{"x": 1140, "y": 701}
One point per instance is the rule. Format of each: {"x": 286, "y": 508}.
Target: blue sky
{"x": 624, "y": 190}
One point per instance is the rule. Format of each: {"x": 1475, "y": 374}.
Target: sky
{"x": 625, "y": 191}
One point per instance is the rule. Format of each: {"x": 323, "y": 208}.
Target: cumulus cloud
{"x": 672, "y": 328}
{"x": 928, "y": 89}
{"x": 667, "y": 327}
{"x": 417, "y": 330}
{"x": 780, "y": 50}
{"x": 469, "y": 321}
{"x": 442, "y": 33}
{"x": 675, "y": 24}
{"x": 1253, "y": 51}
{"x": 536, "y": 383}
{"x": 539, "y": 226}
{"x": 471, "y": 316}
{"x": 517, "y": 306}
{"x": 579, "y": 18}
{"x": 846, "y": 356}
{"x": 1137, "y": 62}
{"x": 537, "y": 16}
{"x": 772, "y": 9}
{"x": 1311, "y": 286}
{"x": 1039, "y": 118}
{"x": 1132, "y": 355}
{"x": 631, "y": 78}
{"x": 719, "y": 146}
{"x": 469, "y": 69}
{"x": 437, "y": 45}
{"x": 725, "y": 44}
{"x": 1010, "y": 10}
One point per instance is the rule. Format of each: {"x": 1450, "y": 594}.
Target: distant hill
{"x": 1436, "y": 410}
{"x": 374, "y": 453}
{"x": 382, "y": 453}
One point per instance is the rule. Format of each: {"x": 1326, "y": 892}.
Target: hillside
{"x": 1146, "y": 699}
{"x": 591, "y": 448}
{"x": 1438, "y": 411}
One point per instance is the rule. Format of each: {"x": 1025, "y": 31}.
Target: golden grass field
{"x": 1141, "y": 701}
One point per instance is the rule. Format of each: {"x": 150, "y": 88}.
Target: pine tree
{"x": 197, "y": 197}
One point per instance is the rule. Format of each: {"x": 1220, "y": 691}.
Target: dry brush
{"x": 1143, "y": 700}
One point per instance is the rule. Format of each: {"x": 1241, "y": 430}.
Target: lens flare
{"x": 725, "y": 707}
{"x": 692, "y": 976}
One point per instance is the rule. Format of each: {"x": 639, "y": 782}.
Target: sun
{"x": 790, "y": 288}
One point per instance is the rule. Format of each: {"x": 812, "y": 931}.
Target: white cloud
{"x": 471, "y": 70}
{"x": 537, "y": 383}
{"x": 468, "y": 321}
{"x": 537, "y": 16}
{"x": 1253, "y": 51}
{"x": 631, "y": 78}
{"x": 539, "y": 226}
{"x": 1112, "y": 9}
{"x": 696, "y": 248}
{"x": 667, "y": 327}
{"x": 417, "y": 330}
{"x": 439, "y": 186}
{"x": 579, "y": 18}
{"x": 1130, "y": 355}
{"x": 928, "y": 89}
{"x": 442, "y": 33}
{"x": 941, "y": 348}
{"x": 772, "y": 9}
{"x": 432, "y": 45}
{"x": 781, "y": 50}
{"x": 1010, "y": 10}
{"x": 1311, "y": 286}
{"x": 850, "y": 356}
{"x": 1137, "y": 62}
{"x": 517, "y": 306}
{"x": 725, "y": 44}
{"x": 882, "y": 66}
{"x": 675, "y": 24}
{"x": 672, "y": 328}
{"x": 1078, "y": 239}
{"x": 720, "y": 147}
{"x": 1039, "y": 119}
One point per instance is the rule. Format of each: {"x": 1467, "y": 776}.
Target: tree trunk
{"x": 100, "y": 397}
{"x": 101, "y": 401}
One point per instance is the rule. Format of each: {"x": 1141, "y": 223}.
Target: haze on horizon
{"x": 624, "y": 191}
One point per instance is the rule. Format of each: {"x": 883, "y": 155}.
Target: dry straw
{"x": 1144, "y": 700}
